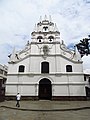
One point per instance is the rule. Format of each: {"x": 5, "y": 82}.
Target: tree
{"x": 84, "y": 46}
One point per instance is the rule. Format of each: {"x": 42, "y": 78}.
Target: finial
{"x": 62, "y": 42}
{"x": 50, "y": 19}
{"x": 40, "y": 19}
{"x": 12, "y": 57}
{"x": 14, "y": 51}
{"x": 55, "y": 28}
{"x": 27, "y": 43}
{"x": 77, "y": 54}
{"x": 35, "y": 28}
{"x": 45, "y": 18}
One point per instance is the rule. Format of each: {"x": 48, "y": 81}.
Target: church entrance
{"x": 45, "y": 89}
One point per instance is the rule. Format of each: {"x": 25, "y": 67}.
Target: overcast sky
{"x": 18, "y": 18}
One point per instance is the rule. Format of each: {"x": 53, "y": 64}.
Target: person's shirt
{"x": 18, "y": 96}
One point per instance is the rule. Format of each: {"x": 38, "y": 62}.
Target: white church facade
{"x": 46, "y": 68}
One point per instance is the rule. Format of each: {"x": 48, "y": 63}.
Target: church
{"x": 45, "y": 68}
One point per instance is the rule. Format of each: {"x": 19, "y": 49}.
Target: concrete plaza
{"x": 45, "y": 110}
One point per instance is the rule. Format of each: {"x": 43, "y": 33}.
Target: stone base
{"x": 22, "y": 97}
{"x": 59, "y": 98}
{"x": 72, "y": 98}
{"x": 2, "y": 98}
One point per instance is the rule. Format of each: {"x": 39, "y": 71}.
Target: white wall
{"x": 62, "y": 85}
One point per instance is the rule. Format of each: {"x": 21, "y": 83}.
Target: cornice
{"x": 46, "y": 74}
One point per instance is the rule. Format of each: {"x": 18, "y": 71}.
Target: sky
{"x": 18, "y": 18}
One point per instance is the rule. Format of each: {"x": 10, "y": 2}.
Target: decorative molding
{"x": 56, "y": 83}
{"x": 65, "y": 50}
{"x": 46, "y": 74}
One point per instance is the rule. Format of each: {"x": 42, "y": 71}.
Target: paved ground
{"x": 45, "y": 110}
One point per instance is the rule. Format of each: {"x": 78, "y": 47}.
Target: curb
{"x": 46, "y": 110}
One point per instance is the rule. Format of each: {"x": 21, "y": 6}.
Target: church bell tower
{"x": 45, "y": 31}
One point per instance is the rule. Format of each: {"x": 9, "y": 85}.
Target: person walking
{"x": 18, "y": 97}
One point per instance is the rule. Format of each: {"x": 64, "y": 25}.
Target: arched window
{"x": 68, "y": 68}
{"x": 39, "y": 38}
{"x": 21, "y": 68}
{"x": 44, "y": 67}
{"x": 50, "y": 38}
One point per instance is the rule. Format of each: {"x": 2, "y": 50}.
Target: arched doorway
{"x": 45, "y": 89}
